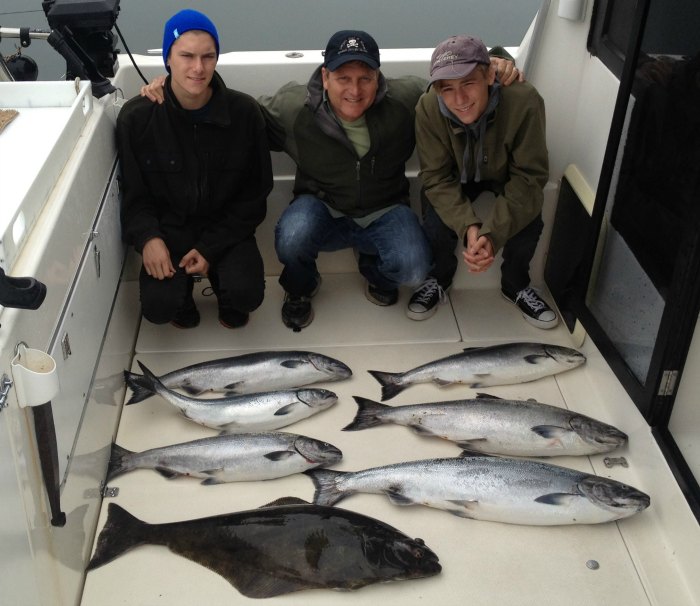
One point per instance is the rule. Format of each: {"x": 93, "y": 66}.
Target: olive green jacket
{"x": 514, "y": 163}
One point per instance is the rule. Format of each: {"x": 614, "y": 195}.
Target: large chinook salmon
{"x": 485, "y": 366}
{"x": 247, "y": 373}
{"x": 523, "y": 428}
{"x": 497, "y": 489}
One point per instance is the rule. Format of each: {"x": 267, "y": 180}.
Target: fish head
{"x": 410, "y": 558}
{"x": 566, "y": 356}
{"x": 316, "y": 451}
{"x": 601, "y": 435}
{"x": 334, "y": 369}
{"x": 613, "y": 496}
{"x": 317, "y": 398}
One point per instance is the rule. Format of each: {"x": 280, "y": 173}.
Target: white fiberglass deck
{"x": 483, "y": 562}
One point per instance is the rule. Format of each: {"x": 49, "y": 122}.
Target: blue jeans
{"x": 393, "y": 249}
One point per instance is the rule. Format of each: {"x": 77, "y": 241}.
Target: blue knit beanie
{"x": 185, "y": 21}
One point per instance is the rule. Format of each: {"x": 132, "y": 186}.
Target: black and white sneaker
{"x": 534, "y": 308}
{"x": 425, "y": 300}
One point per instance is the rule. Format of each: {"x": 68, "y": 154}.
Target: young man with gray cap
{"x": 196, "y": 173}
{"x": 472, "y": 136}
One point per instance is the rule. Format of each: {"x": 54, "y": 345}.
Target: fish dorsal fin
{"x": 285, "y": 501}
{"x": 487, "y": 396}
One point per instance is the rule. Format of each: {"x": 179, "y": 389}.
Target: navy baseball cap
{"x": 351, "y": 45}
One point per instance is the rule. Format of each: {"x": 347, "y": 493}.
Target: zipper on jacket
{"x": 372, "y": 165}
{"x": 357, "y": 170}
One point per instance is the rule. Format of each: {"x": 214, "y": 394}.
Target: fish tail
{"x": 367, "y": 414}
{"x": 121, "y": 532}
{"x": 390, "y": 382}
{"x": 153, "y": 382}
{"x": 118, "y": 462}
{"x": 141, "y": 387}
{"x": 327, "y": 492}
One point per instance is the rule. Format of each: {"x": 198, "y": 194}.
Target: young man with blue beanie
{"x": 196, "y": 173}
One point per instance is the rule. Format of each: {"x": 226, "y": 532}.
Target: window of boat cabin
{"x": 645, "y": 295}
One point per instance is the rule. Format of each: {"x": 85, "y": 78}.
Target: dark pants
{"x": 237, "y": 279}
{"x": 517, "y": 253}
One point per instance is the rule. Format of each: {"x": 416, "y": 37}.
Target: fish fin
{"x": 117, "y": 464}
{"x": 327, "y": 493}
{"x": 423, "y": 431}
{"x": 366, "y": 416}
{"x": 464, "y": 508}
{"x": 390, "y": 382}
{"x": 472, "y": 453}
{"x": 293, "y": 363}
{"x": 121, "y": 532}
{"x": 191, "y": 390}
{"x": 141, "y": 388}
{"x": 534, "y": 358}
{"x": 167, "y": 473}
{"x": 442, "y": 382}
{"x": 211, "y": 482}
{"x": 487, "y": 396}
{"x": 285, "y": 410}
{"x": 233, "y": 388}
{"x": 397, "y": 498}
{"x": 550, "y": 431}
{"x": 279, "y": 455}
{"x": 555, "y": 498}
{"x": 254, "y": 582}
{"x": 468, "y": 447}
{"x": 286, "y": 501}
{"x": 481, "y": 382}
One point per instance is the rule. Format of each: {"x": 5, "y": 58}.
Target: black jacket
{"x": 196, "y": 184}
{"x": 300, "y": 122}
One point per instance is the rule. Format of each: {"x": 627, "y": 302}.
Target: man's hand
{"x": 506, "y": 71}
{"x": 154, "y": 90}
{"x": 194, "y": 263}
{"x": 478, "y": 253}
{"x": 156, "y": 259}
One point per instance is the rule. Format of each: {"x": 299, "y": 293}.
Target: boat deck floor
{"x": 483, "y": 562}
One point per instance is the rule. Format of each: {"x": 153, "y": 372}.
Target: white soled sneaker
{"x": 425, "y": 300}
{"x": 534, "y": 309}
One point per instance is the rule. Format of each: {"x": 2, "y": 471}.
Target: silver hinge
{"x": 667, "y": 386}
{"x": 4, "y": 390}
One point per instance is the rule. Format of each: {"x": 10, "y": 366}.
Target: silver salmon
{"x": 485, "y": 366}
{"x": 280, "y": 548}
{"x": 263, "y": 411}
{"x": 498, "y": 489}
{"x": 247, "y": 373}
{"x": 229, "y": 457}
{"x": 524, "y": 428}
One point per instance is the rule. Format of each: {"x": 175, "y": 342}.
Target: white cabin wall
{"x": 579, "y": 93}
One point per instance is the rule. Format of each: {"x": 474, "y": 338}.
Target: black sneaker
{"x": 233, "y": 318}
{"x": 297, "y": 312}
{"x": 534, "y": 309}
{"x": 187, "y": 316}
{"x": 425, "y": 300}
{"x": 381, "y": 297}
